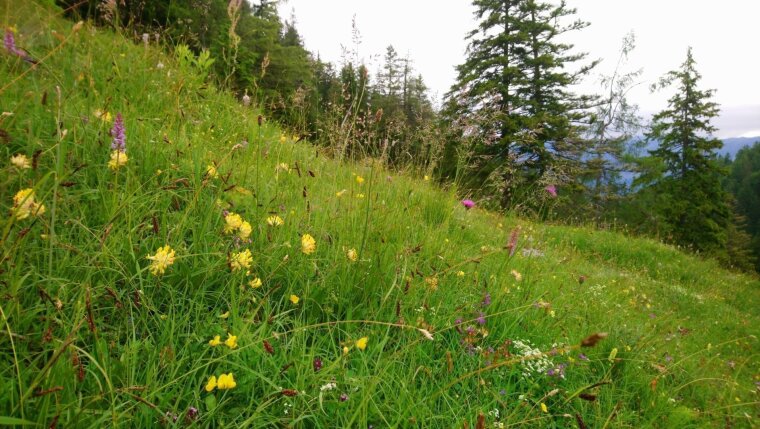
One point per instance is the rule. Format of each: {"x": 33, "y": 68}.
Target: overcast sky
{"x": 724, "y": 36}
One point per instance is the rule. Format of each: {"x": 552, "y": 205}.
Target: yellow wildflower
{"x": 427, "y": 178}
{"x": 345, "y": 350}
{"x": 352, "y": 255}
{"x": 24, "y": 204}
{"x": 21, "y": 162}
{"x": 460, "y": 273}
{"x": 283, "y": 139}
{"x": 294, "y": 299}
{"x": 432, "y": 282}
{"x": 308, "y": 244}
{"x": 161, "y": 260}
{"x": 103, "y": 116}
{"x": 216, "y": 341}
{"x": 245, "y": 230}
{"x": 231, "y": 341}
{"x": 282, "y": 166}
{"x": 211, "y": 384}
{"x": 359, "y": 179}
{"x": 275, "y": 220}
{"x": 255, "y": 283}
{"x": 360, "y": 196}
{"x": 341, "y": 193}
{"x": 211, "y": 171}
{"x": 118, "y": 159}
{"x": 240, "y": 260}
{"x": 544, "y": 408}
{"x": 613, "y": 354}
{"x": 232, "y": 221}
{"x": 226, "y": 381}
{"x": 517, "y": 275}
{"x": 361, "y": 343}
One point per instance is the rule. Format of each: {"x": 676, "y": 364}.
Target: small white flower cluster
{"x": 597, "y": 289}
{"x": 494, "y": 413}
{"x": 423, "y": 310}
{"x": 328, "y": 386}
{"x": 536, "y": 363}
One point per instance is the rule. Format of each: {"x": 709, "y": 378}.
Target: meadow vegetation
{"x": 171, "y": 257}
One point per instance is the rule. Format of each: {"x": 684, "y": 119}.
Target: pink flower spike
{"x": 10, "y": 42}
{"x": 552, "y": 190}
{"x": 468, "y": 204}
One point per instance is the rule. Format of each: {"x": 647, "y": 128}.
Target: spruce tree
{"x": 513, "y": 93}
{"x": 697, "y": 212}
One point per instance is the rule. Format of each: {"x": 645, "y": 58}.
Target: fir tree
{"x": 697, "y": 212}
{"x": 513, "y": 91}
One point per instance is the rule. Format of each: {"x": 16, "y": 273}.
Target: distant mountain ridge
{"x": 732, "y": 145}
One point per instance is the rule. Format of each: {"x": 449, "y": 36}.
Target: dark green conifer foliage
{"x": 697, "y": 212}
{"x": 744, "y": 183}
{"x": 513, "y": 93}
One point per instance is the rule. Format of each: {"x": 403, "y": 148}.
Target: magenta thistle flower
{"x": 468, "y": 204}
{"x": 317, "y": 364}
{"x": 117, "y": 132}
{"x": 552, "y": 190}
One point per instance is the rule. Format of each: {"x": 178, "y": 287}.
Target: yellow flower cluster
{"x": 240, "y": 260}
{"x": 308, "y": 244}
{"x": 432, "y": 282}
{"x": 275, "y": 220}
{"x": 230, "y": 342}
{"x": 118, "y": 159}
{"x": 233, "y": 222}
{"x": 103, "y": 116}
{"x": 226, "y": 381}
{"x": 161, "y": 260}
{"x": 211, "y": 171}
{"x": 245, "y": 230}
{"x": 21, "y": 162}
{"x": 24, "y": 204}
{"x": 361, "y": 343}
{"x": 352, "y": 255}
{"x": 516, "y": 274}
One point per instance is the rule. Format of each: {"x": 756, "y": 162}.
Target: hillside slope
{"x": 407, "y": 310}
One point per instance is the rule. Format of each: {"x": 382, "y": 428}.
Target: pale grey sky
{"x": 723, "y": 34}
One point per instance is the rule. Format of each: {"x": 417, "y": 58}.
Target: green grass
{"x": 90, "y": 338}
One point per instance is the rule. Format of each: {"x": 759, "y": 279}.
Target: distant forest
{"x": 509, "y": 129}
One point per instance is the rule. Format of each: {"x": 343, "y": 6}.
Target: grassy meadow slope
{"x": 91, "y": 337}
